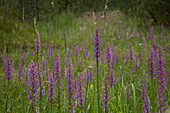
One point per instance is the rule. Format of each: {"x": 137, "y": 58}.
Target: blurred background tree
{"x": 155, "y": 11}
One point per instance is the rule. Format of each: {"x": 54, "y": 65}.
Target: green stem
{"x": 98, "y": 87}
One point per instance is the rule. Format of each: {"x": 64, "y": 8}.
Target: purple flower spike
{"x": 152, "y": 63}
{"x": 8, "y": 69}
{"x": 51, "y": 84}
{"x": 112, "y": 78}
{"x": 33, "y": 82}
{"x": 70, "y": 79}
{"x": 162, "y": 79}
{"x": 58, "y": 71}
{"x": 146, "y": 105}
{"x": 108, "y": 53}
{"x": 97, "y": 42}
{"x": 131, "y": 51}
{"x": 71, "y": 108}
{"x": 106, "y": 97}
{"x": 38, "y": 43}
{"x": 79, "y": 95}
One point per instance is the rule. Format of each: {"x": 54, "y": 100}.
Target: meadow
{"x": 85, "y": 64}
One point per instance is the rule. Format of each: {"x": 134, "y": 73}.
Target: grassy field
{"x": 59, "y": 37}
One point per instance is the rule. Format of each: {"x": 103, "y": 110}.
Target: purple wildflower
{"x": 79, "y": 95}
{"x": 97, "y": 42}
{"x": 70, "y": 79}
{"x": 162, "y": 79}
{"x": 33, "y": 83}
{"x": 8, "y": 69}
{"x": 131, "y": 51}
{"x": 38, "y": 43}
{"x": 70, "y": 84}
{"x": 106, "y": 97}
{"x": 41, "y": 81}
{"x": 58, "y": 71}
{"x": 71, "y": 108}
{"x": 112, "y": 78}
{"x": 108, "y": 53}
{"x": 152, "y": 63}
{"x": 51, "y": 84}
